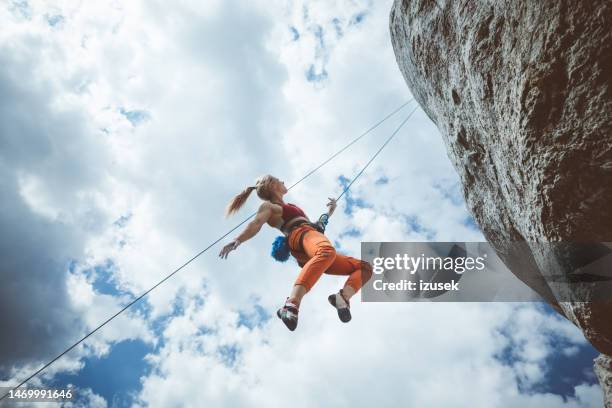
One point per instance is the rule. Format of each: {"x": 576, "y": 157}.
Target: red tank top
{"x": 291, "y": 211}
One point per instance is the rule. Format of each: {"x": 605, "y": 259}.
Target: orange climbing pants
{"x": 316, "y": 255}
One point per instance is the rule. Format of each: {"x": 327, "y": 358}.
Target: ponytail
{"x": 238, "y": 201}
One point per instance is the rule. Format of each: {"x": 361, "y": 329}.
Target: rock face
{"x": 520, "y": 91}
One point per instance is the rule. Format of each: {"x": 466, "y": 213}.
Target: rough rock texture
{"x": 520, "y": 92}
{"x": 603, "y": 370}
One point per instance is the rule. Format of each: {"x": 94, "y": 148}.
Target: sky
{"x": 125, "y": 129}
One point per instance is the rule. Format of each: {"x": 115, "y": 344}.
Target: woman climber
{"x": 306, "y": 242}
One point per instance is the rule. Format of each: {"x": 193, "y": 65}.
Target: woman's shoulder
{"x": 268, "y": 205}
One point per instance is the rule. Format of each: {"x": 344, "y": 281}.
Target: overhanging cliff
{"x": 520, "y": 93}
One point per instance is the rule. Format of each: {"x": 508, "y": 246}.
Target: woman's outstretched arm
{"x": 252, "y": 228}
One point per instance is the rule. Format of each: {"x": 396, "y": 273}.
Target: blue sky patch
{"x": 352, "y": 203}
{"x": 563, "y": 372}
{"x": 257, "y": 318}
{"x": 123, "y": 220}
{"x": 55, "y": 20}
{"x": 305, "y": 13}
{"x": 337, "y": 27}
{"x": 358, "y": 18}
{"x": 294, "y": 33}
{"x": 470, "y": 223}
{"x": 316, "y": 72}
{"x": 317, "y": 31}
{"x": 103, "y": 278}
{"x": 21, "y": 9}
{"x": 116, "y": 376}
{"x": 136, "y": 117}
{"x": 313, "y": 76}
{"x": 352, "y": 232}
{"x": 104, "y": 282}
{"x": 229, "y": 354}
{"x": 413, "y": 223}
{"x": 382, "y": 180}
{"x": 450, "y": 191}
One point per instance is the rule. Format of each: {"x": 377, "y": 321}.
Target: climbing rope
{"x": 226, "y": 234}
{"x": 350, "y": 144}
{"x": 376, "y": 154}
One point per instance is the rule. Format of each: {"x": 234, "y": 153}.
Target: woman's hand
{"x": 229, "y": 248}
{"x": 331, "y": 205}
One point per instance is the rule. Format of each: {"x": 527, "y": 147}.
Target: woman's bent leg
{"x": 359, "y": 273}
{"x": 322, "y": 255}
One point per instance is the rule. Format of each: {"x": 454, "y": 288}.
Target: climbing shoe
{"x": 342, "y": 305}
{"x": 288, "y": 314}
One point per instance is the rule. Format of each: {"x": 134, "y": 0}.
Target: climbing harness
{"x": 280, "y": 245}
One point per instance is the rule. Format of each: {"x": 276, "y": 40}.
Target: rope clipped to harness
{"x": 280, "y": 246}
{"x": 322, "y": 223}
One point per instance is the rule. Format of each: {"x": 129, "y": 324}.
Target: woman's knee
{"x": 366, "y": 271}
{"x": 327, "y": 252}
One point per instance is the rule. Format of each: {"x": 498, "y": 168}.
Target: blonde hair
{"x": 261, "y": 185}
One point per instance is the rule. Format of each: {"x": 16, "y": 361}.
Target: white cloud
{"x": 425, "y": 354}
